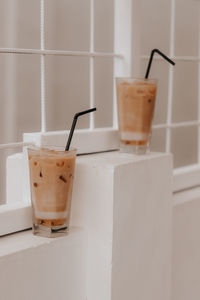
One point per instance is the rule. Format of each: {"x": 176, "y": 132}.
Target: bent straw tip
{"x": 155, "y": 50}
{"x": 76, "y": 116}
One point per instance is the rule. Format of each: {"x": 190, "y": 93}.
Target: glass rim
{"x": 48, "y": 149}
{"x": 136, "y": 78}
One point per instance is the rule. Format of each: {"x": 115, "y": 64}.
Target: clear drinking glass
{"x": 51, "y": 181}
{"x": 136, "y": 102}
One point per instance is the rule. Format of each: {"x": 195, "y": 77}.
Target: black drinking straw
{"x": 151, "y": 58}
{"x": 74, "y": 125}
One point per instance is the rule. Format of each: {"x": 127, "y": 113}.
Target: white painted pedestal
{"x": 123, "y": 204}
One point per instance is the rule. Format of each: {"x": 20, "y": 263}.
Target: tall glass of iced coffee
{"x": 51, "y": 182}
{"x": 136, "y": 101}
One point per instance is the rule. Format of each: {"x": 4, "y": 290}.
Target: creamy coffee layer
{"x": 50, "y": 215}
{"x": 136, "y": 136}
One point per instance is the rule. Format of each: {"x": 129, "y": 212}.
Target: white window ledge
{"x": 41, "y": 268}
{"x": 25, "y": 240}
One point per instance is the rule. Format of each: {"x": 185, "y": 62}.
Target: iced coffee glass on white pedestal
{"x": 136, "y": 102}
{"x": 51, "y": 182}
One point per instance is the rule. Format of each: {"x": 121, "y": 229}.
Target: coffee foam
{"x": 50, "y": 215}
{"x": 134, "y": 136}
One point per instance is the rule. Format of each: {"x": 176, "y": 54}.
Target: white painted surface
{"x": 15, "y": 217}
{"x": 186, "y": 177}
{"x": 40, "y": 268}
{"x": 123, "y": 204}
{"x": 141, "y": 264}
{"x": 14, "y": 178}
{"x": 86, "y": 141}
{"x": 95, "y": 211}
{"x": 136, "y": 38}
{"x": 123, "y": 35}
{"x": 186, "y": 246}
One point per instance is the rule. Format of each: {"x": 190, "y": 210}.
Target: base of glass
{"x": 50, "y": 232}
{"x": 136, "y": 149}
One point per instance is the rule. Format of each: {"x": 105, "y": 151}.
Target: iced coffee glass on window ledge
{"x": 51, "y": 180}
{"x": 136, "y": 102}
